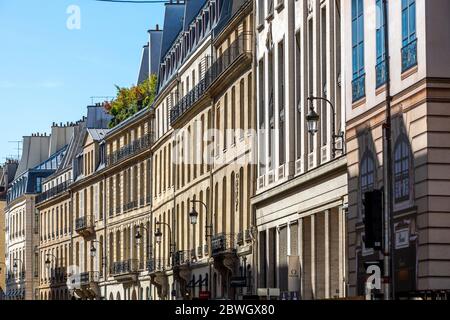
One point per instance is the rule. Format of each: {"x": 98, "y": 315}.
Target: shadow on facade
{"x": 370, "y": 176}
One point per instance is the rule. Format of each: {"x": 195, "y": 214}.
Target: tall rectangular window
{"x": 262, "y": 118}
{"x": 261, "y": 7}
{"x": 298, "y": 94}
{"x": 380, "y": 44}
{"x": 281, "y": 102}
{"x": 409, "y": 36}
{"x": 271, "y": 79}
{"x": 324, "y": 73}
{"x": 358, "y": 83}
{"x": 310, "y": 73}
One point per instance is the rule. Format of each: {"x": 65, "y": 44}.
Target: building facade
{"x": 41, "y": 156}
{"x": 301, "y": 178}
{"x": 55, "y": 209}
{"x": 201, "y": 160}
{"x": 419, "y": 92}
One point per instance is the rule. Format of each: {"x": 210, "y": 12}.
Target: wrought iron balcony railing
{"x": 223, "y": 243}
{"x": 87, "y": 278}
{"x": 182, "y": 257}
{"x": 241, "y": 46}
{"x": 131, "y": 149}
{"x": 157, "y": 265}
{"x": 82, "y": 223}
{"x": 409, "y": 55}
{"x": 381, "y": 74}
{"x": 124, "y": 267}
{"x": 53, "y": 192}
{"x": 359, "y": 88}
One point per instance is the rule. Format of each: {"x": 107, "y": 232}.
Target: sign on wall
{"x": 294, "y": 273}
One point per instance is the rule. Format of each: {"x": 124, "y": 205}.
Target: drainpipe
{"x": 388, "y": 247}
{"x": 255, "y": 154}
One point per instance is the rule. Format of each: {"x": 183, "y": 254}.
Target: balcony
{"x": 84, "y": 226}
{"x": 182, "y": 258}
{"x": 125, "y": 271}
{"x": 359, "y": 88}
{"x": 89, "y": 285}
{"x": 409, "y": 55}
{"x": 53, "y": 192}
{"x": 130, "y": 206}
{"x": 240, "y": 48}
{"x": 157, "y": 265}
{"x": 58, "y": 276}
{"x": 130, "y": 150}
{"x": 223, "y": 244}
{"x": 88, "y": 278}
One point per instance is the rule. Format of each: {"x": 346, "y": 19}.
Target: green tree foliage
{"x": 130, "y": 100}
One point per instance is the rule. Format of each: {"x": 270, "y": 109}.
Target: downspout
{"x": 254, "y": 158}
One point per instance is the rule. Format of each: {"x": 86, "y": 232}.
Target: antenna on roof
{"x": 103, "y": 98}
{"x": 18, "y": 147}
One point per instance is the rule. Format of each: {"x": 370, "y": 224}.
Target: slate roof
{"x": 173, "y": 25}
{"x": 191, "y": 11}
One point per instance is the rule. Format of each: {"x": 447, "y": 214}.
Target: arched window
{"x": 367, "y": 172}
{"x": 401, "y": 170}
{"x": 111, "y": 296}
{"x": 118, "y": 296}
{"x": 367, "y": 176}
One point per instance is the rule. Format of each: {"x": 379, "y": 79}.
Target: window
{"x": 269, "y": 8}
{"x": 38, "y": 185}
{"x": 324, "y": 73}
{"x": 271, "y": 64}
{"x": 380, "y": 45}
{"x": 281, "y": 102}
{"x": 358, "y": 83}
{"x": 261, "y": 12}
{"x": 367, "y": 175}
{"x": 401, "y": 170}
{"x": 409, "y": 40}
{"x": 298, "y": 93}
{"x": 261, "y": 114}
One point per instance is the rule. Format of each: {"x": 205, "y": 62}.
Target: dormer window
{"x": 102, "y": 153}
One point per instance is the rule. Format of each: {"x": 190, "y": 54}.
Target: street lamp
{"x": 193, "y": 216}
{"x": 93, "y": 249}
{"x": 312, "y": 120}
{"x": 158, "y": 235}
{"x": 15, "y": 265}
{"x": 48, "y": 261}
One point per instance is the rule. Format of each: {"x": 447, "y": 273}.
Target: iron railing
{"x": 87, "y": 278}
{"x": 381, "y": 75}
{"x": 130, "y": 149}
{"x": 409, "y": 55}
{"x": 82, "y": 223}
{"x": 223, "y": 243}
{"x": 157, "y": 264}
{"x": 238, "y": 48}
{"x": 125, "y": 267}
{"x": 182, "y": 257}
{"x": 359, "y": 88}
{"x": 53, "y": 192}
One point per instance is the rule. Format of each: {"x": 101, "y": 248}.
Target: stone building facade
{"x": 419, "y": 88}
{"x": 201, "y": 160}
{"x": 301, "y": 178}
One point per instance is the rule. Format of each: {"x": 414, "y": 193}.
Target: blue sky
{"x": 48, "y": 72}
